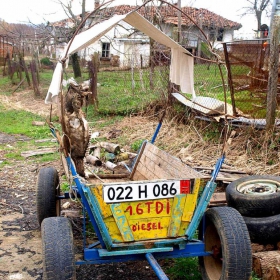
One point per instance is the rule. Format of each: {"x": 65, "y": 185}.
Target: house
{"x": 6, "y": 48}
{"x": 126, "y": 47}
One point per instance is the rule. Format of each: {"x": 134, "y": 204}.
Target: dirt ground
{"x": 20, "y": 237}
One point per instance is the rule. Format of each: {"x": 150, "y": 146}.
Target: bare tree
{"x": 257, "y": 7}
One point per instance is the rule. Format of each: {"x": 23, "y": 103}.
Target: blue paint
{"x": 84, "y": 200}
{"x": 193, "y": 249}
{"x": 204, "y": 200}
{"x": 156, "y": 133}
{"x": 156, "y": 267}
{"x": 106, "y": 253}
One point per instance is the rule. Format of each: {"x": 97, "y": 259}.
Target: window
{"x": 106, "y": 50}
{"x": 220, "y": 34}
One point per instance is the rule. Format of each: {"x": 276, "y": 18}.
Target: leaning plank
{"x": 44, "y": 151}
{"x": 153, "y": 163}
{"x": 264, "y": 261}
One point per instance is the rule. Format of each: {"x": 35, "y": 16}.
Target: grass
{"x": 20, "y": 122}
{"x": 184, "y": 268}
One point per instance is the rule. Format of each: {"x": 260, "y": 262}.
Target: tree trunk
{"x": 273, "y": 74}
{"x": 76, "y": 65}
{"x": 264, "y": 262}
{"x": 34, "y": 78}
{"x": 23, "y": 64}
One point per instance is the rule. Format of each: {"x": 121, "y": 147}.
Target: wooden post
{"x": 231, "y": 88}
{"x": 273, "y": 73}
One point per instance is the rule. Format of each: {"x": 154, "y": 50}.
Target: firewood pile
{"x": 108, "y": 158}
{"x": 266, "y": 261}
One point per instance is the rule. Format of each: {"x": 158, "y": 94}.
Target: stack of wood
{"x": 110, "y": 157}
{"x": 266, "y": 261}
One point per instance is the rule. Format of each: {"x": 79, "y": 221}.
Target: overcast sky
{"x": 38, "y": 11}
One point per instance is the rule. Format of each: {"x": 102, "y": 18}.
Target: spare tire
{"x": 255, "y": 196}
{"x": 265, "y": 230}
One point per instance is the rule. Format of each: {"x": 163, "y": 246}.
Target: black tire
{"x": 226, "y": 235}
{"x": 58, "y": 249}
{"x": 47, "y": 190}
{"x": 264, "y": 230}
{"x": 254, "y": 203}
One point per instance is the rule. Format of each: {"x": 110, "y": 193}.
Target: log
{"x": 263, "y": 261}
{"x": 96, "y": 152}
{"x": 261, "y": 248}
{"x": 110, "y": 165}
{"x": 273, "y": 273}
{"x": 110, "y": 147}
{"x": 93, "y": 160}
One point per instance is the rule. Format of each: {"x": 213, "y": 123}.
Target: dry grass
{"x": 196, "y": 142}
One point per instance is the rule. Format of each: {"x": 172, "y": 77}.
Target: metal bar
{"x": 156, "y": 133}
{"x": 84, "y": 200}
{"x": 204, "y": 200}
{"x": 192, "y": 249}
{"x": 156, "y": 267}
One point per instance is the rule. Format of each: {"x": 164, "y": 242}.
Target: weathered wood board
{"x": 153, "y": 163}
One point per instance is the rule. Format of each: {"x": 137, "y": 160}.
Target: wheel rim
{"x": 213, "y": 264}
{"x": 258, "y": 187}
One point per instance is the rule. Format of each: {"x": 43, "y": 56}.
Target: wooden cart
{"x": 158, "y": 211}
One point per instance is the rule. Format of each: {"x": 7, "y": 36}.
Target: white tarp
{"x": 181, "y": 68}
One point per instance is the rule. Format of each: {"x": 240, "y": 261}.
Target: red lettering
{"x": 129, "y": 208}
{"x": 143, "y": 226}
{"x": 146, "y": 226}
{"x": 167, "y": 207}
{"x": 138, "y": 209}
{"x": 159, "y": 207}
{"x": 149, "y": 205}
{"x": 133, "y": 227}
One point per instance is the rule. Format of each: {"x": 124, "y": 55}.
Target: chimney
{"x": 96, "y": 4}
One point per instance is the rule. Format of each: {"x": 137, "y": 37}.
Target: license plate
{"x": 144, "y": 190}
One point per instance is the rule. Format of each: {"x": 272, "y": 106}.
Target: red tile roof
{"x": 167, "y": 14}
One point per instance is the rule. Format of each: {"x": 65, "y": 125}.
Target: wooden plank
{"x": 122, "y": 223}
{"x": 39, "y": 152}
{"x": 154, "y": 163}
{"x": 218, "y": 198}
{"x": 176, "y": 215}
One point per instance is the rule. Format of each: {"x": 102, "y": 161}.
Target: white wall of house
{"x": 135, "y": 50}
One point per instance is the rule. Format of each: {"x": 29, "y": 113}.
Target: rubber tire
{"x": 225, "y": 228}
{"x": 47, "y": 190}
{"x": 264, "y": 230}
{"x": 58, "y": 249}
{"x": 253, "y": 205}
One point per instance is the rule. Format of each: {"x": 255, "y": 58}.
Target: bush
{"x": 46, "y": 61}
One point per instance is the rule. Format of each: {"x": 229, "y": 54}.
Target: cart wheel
{"x": 47, "y": 190}
{"x": 58, "y": 249}
{"x": 226, "y": 235}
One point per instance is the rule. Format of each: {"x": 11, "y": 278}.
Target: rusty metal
{"x": 247, "y": 63}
